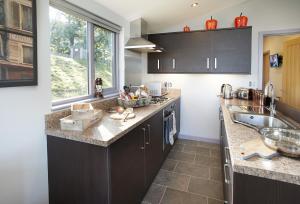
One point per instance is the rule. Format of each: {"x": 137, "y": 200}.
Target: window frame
{"x": 92, "y": 20}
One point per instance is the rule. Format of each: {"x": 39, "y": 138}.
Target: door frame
{"x": 262, "y": 74}
{"x": 261, "y": 36}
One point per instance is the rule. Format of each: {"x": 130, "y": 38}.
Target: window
{"x": 1, "y": 12}
{"x": 104, "y": 54}
{"x": 27, "y": 55}
{"x": 2, "y": 45}
{"x": 26, "y": 18}
{"x": 69, "y": 59}
{"x": 15, "y": 15}
{"x": 82, "y": 49}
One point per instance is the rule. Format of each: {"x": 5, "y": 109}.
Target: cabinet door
{"x": 154, "y": 63}
{"x": 183, "y": 52}
{"x": 166, "y": 63}
{"x": 154, "y": 146}
{"x": 231, "y": 51}
{"x": 127, "y": 168}
{"x": 193, "y": 52}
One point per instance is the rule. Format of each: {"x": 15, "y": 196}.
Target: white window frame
{"x": 92, "y": 20}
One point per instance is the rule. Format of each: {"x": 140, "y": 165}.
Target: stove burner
{"x": 159, "y": 100}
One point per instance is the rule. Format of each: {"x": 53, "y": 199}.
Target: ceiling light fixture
{"x": 195, "y": 5}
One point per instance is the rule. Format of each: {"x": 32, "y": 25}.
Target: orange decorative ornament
{"x": 240, "y": 21}
{"x": 186, "y": 29}
{"x": 211, "y": 24}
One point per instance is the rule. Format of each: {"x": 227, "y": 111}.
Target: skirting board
{"x": 201, "y": 139}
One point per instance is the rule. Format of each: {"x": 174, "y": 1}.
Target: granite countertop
{"x": 107, "y": 130}
{"x": 280, "y": 168}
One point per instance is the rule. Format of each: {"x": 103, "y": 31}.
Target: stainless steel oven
{"x": 168, "y": 119}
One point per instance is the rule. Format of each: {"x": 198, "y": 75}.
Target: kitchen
{"x": 188, "y": 171}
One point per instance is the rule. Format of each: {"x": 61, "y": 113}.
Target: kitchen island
{"x": 255, "y": 180}
{"x": 112, "y": 161}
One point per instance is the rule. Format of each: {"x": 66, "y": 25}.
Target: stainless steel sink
{"x": 258, "y": 121}
{"x": 248, "y": 109}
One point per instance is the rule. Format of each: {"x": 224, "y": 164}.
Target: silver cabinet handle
{"x": 157, "y": 64}
{"x": 174, "y": 63}
{"x": 207, "y": 63}
{"x": 149, "y": 135}
{"x": 226, "y": 149}
{"x": 227, "y": 181}
{"x": 144, "y": 138}
{"x": 216, "y": 63}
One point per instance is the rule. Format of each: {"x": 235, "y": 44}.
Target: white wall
{"x": 23, "y": 155}
{"x": 199, "y": 101}
{"x": 23, "y": 150}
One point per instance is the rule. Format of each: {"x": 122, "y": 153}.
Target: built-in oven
{"x": 168, "y": 126}
{"x": 226, "y": 162}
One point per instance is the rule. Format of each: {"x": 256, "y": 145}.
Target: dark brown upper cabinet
{"x": 220, "y": 51}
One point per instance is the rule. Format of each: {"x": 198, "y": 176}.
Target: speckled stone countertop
{"x": 107, "y": 130}
{"x": 280, "y": 168}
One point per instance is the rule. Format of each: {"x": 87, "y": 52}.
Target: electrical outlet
{"x": 250, "y": 83}
{"x": 170, "y": 84}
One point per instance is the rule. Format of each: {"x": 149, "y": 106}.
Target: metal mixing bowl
{"x": 286, "y": 141}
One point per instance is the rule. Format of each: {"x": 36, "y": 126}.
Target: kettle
{"x": 226, "y": 91}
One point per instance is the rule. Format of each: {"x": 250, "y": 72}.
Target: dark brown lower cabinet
{"x": 251, "y": 189}
{"x": 246, "y": 189}
{"x": 81, "y": 173}
{"x": 127, "y": 168}
{"x": 154, "y": 147}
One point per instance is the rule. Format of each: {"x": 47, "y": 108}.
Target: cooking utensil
{"x": 286, "y": 141}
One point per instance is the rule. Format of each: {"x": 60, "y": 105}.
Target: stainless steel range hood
{"x": 138, "y": 38}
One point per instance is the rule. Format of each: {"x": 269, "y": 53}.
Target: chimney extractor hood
{"x": 138, "y": 41}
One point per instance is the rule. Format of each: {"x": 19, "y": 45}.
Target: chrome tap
{"x": 270, "y": 92}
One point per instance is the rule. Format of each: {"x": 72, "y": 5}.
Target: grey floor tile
{"x": 208, "y": 161}
{"x": 214, "y": 201}
{"x": 187, "y": 142}
{"x": 215, "y": 174}
{"x": 182, "y": 156}
{"x": 196, "y": 149}
{"x": 154, "y": 194}
{"x": 172, "y": 180}
{"x": 192, "y": 170}
{"x": 169, "y": 164}
{"x": 208, "y": 145}
{"x": 215, "y": 153}
{"x": 177, "y": 147}
{"x": 178, "y": 197}
{"x": 190, "y": 148}
{"x": 206, "y": 187}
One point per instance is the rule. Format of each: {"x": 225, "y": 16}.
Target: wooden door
{"x": 154, "y": 146}
{"x": 291, "y": 73}
{"x": 266, "y": 68}
{"x": 231, "y": 51}
{"x": 127, "y": 168}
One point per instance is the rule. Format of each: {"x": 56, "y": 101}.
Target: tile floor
{"x": 191, "y": 174}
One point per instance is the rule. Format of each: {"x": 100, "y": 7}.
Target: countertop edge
{"x": 60, "y": 134}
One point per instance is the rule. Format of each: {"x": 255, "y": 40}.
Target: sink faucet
{"x": 270, "y": 92}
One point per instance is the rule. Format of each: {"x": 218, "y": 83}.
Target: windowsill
{"x": 89, "y": 100}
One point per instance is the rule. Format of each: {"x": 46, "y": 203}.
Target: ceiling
{"x": 164, "y": 13}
